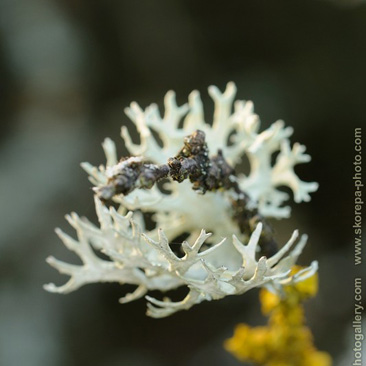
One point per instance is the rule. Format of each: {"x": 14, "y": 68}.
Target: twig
{"x": 205, "y": 173}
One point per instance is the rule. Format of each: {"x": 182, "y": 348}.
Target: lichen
{"x": 240, "y": 253}
{"x": 286, "y": 340}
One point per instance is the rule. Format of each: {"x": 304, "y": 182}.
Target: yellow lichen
{"x": 285, "y": 341}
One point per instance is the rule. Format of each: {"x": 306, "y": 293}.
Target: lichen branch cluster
{"x": 241, "y": 253}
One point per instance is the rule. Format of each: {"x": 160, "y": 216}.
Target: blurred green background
{"x": 68, "y": 68}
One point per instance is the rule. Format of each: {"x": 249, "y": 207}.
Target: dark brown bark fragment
{"x": 206, "y": 174}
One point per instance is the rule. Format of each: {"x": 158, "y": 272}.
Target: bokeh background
{"x": 69, "y": 67}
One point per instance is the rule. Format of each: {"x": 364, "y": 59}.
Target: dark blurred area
{"x": 68, "y": 68}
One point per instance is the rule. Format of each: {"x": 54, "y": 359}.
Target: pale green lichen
{"x": 212, "y": 266}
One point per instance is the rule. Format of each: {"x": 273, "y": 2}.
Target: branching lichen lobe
{"x": 232, "y": 206}
{"x": 206, "y": 174}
